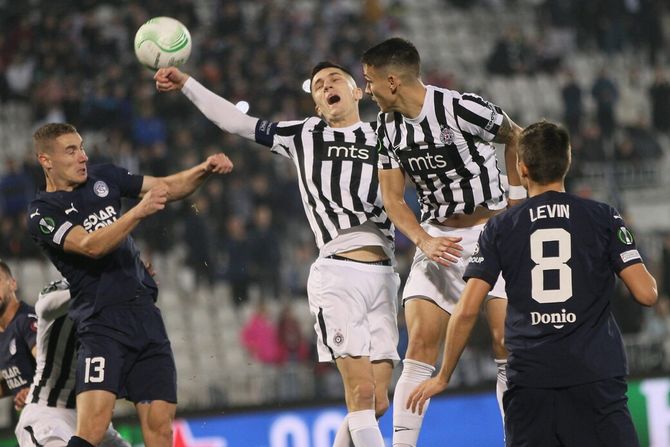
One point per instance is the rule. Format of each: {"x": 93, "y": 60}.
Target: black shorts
{"x": 125, "y": 350}
{"x": 594, "y": 415}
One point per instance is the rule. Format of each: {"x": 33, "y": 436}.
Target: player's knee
{"x": 364, "y": 394}
{"x": 422, "y": 350}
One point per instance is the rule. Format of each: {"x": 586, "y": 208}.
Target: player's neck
{"x": 535, "y": 189}
{"x": 410, "y": 103}
{"x": 53, "y": 185}
{"x": 344, "y": 121}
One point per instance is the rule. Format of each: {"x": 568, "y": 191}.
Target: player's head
{"x": 544, "y": 153}
{"x": 7, "y": 286}
{"x": 387, "y": 67}
{"x": 334, "y": 91}
{"x": 61, "y": 154}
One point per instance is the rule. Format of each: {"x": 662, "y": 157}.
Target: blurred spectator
{"x": 572, "y": 103}
{"x": 259, "y": 336}
{"x": 511, "y": 54}
{"x": 236, "y": 251}
{"x": 16, "y": 189}
{"x": 659, "y": 94}
{"x": 198, "y": 238}
{"x": 292, "y": 342}
{"x": 265, "y": 253}
{"x": 606, "y": 94}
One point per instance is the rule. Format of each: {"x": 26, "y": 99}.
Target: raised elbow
{"x": 647, "y": 297}
{"x": 91, "y": 249}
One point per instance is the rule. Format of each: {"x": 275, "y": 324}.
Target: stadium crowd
{"x": 75, "y": 64}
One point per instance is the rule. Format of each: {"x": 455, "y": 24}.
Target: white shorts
{"x": 355, "y": 306}
{"x": 53, "y": 427}
{"x": 444, "y": 285}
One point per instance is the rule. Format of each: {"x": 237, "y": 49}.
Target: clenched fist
{"x": 170, "y": 78}
{"x": 218, "y": 164}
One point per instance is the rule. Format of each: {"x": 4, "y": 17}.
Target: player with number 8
{"x": 559, "y": 255}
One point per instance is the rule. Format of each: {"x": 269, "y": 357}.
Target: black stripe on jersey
{"x": 356, "y": 170}
{"x": 317, "y": 141}
{"x": 484, "y": 178}
{"x": 469, "y": 116}
{"x": 324, "y": 333}
{"x": 458, "y": 163}
{"x": 482, "y": 102}
{"x": 72, "y": 399}
{"x": 397, "y": 120}
{"x": 336, "y": 175}
{"x": 66, "y": 366}
{"x": 56, "y": 328}
{"x": 430, "y": 141}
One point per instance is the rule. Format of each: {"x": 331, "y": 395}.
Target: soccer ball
{"x": 162, "y": 42}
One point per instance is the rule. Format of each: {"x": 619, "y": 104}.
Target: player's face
{"x": 67, "y": 161}
{"x": 335, "y": 95}
{"x": 377, "y": 86}
{"x": 7, "y": 290}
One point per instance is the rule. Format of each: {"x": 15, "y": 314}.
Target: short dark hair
{"x": 327, "y": 64}
{"x": 5, "y": 268}
{"x": 394, "y": 51}
{"x": 544, "y": 147}
{"x": 49, "y": 132}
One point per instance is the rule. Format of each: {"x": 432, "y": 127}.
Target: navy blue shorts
{"x": 125, "y": 350}
{"x": 594, "y": 415}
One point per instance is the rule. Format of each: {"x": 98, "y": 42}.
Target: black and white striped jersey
{"x": 337, "y": 173}
{"x": 54, "y": 381}
{"x": 446, "y": 151}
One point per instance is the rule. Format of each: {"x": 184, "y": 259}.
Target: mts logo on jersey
{"x": 340, "y": 150}
{"x": 425, "y": 161}
{"x": 100, "y": 219}
{"x": 12, "y": 377}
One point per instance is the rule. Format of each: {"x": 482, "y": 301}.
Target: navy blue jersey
{"x": 118, "y": 277}
{"x": 17, "y": 364}
{"x": 559, "y": 255}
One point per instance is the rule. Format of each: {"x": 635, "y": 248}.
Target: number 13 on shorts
{"x": 95, "y": 370}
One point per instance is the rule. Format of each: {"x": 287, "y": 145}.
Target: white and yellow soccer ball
{"x": 162, "y": 42}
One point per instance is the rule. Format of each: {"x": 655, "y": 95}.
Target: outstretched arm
{"x": 103, "y": 240}
{"x": 458, "y": 333}
{"x": 184, "y": 183}
{"x": 217, "y": 109}
{"x": 444, "y": 250}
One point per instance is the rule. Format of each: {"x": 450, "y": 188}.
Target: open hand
{"x": 417, "y": 399}
{"x": 444, "y": 250}
{"x": 170, "y": 78}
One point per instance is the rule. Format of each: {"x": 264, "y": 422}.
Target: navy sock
{"x": 76, "y": 441}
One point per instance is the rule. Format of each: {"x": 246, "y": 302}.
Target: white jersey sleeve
{"x": 478, "y": 116}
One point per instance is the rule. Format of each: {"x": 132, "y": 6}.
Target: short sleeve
{"x": 485, "y": 261}
{"x": 48, "y": 224}
{"x": 622, "y": 249}
{"x": 129, "y": 184}
{"x": 477, "y": 116}
{"x": 387, "y": 157}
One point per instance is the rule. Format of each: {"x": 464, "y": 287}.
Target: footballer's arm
{"x": 184, "y": 183}
{"x": 509, "y": 134}
{"x": 640, "y": 283}
{"x": 443, "y": 250}
{"x": 106, "y": 239}
{"x": 217, "y": 109}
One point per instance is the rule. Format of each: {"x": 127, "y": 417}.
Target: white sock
{"x": 364, "y": 429}
{"x": 343, "y": 437}
{"x": 501, "y": 385}
{"x": 406, "y": 425}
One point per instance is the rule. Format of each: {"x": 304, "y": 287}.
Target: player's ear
{"x": 44, "y": 159}
{"x": 358, "y": 94}
{"x": 318, "y": 111}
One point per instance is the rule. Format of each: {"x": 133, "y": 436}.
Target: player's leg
{"x": 426, "y": 326}
{"x": 94, "y": 413}
{"x": 359, "y": 392}
{"x": 496, "y": 309}
{"x": 156, "y": 421}
{"x": 382, "y": 371}
{"x": 45, "y": 426}
{"x": 113, "y": 439}
{"x": 151, "y": 383}
{"x": 530, "y": 417}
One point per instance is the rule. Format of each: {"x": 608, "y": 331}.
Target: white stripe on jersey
{"x": 446, "y": 151}
{"x": 54, "y": 381}
{"x": 337, "y": 175}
